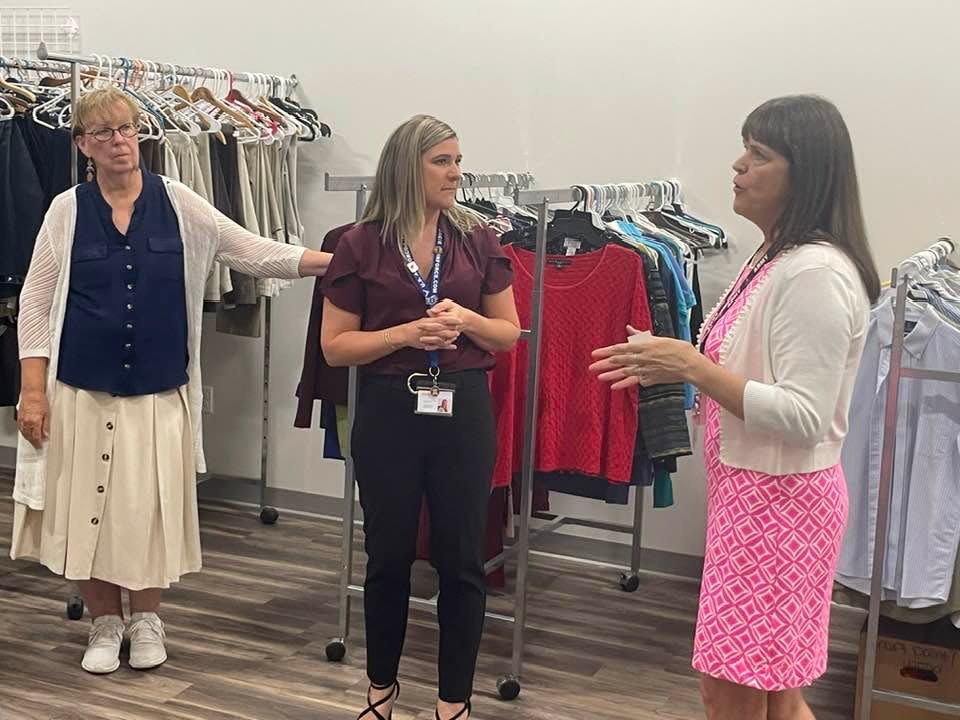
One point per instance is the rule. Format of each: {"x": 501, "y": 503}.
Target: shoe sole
{"x": 151, "y": 665}
{"x": 101, "y": 672}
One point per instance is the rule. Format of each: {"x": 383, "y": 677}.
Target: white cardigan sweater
{"x": 207, "y": 235}
{"x": 798, "y": 342}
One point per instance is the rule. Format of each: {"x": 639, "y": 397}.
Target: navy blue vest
{"x": 125, "y": 330}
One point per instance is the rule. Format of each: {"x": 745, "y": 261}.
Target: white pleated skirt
{"x": 121, "y": 498}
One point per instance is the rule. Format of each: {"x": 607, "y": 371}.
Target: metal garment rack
{"x": 629, "y": 581}
{"x": 508, "y": 686}
{"x": 72, "y": 64}
{"x": 868, "y": 693}
{"x": 96, "y": 64}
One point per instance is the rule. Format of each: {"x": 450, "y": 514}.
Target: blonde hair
{"x": 398, "y": 199}
{"x": 100, "y": 103}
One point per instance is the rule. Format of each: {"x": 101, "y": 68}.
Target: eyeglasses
{"x": 105, "y": 134}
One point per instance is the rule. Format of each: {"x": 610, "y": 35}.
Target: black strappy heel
{"x": 372, "y": 707}
{"x": 459, "y": 715}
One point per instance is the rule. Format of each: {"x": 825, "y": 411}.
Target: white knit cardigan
{"x": 208, "y": 236}
{"x": 798, "y": 342}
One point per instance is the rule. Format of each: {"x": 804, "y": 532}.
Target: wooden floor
{"x": 246, "y": 639}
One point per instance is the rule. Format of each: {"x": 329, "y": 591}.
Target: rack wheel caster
{"x": 336, "y": 650}
{"x": 75, "y": 607}
{"x": 508, "y": 687}
{"x": 269, "y": 516}
{"x": 629, "y": 583}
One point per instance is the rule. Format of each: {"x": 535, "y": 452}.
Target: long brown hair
{"x": 823, "y": 204}
{"x": 397, "y": 199}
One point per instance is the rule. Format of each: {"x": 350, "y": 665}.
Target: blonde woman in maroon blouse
{"x": 419, "y": 295}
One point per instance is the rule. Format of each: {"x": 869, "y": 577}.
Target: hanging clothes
{"x": 22, "y": 205}
{"x": 50, "y": 152}
{"x": 582, "y": 427}
{"x": 239, "y": 314}
{"x": 218, "y": 283}
{"x": 319, "y": 381}
{"x": 9, "y": 361}
{"x": 185, "y": 154}
{"x": 34, "y": 168}
{"x": 265, "y": 173}
{"x": 673, "y": 269}
{"x": 924, "y": 533}
{"x": 152, "y": 157}
{"x": 296, "y": 233}
{"x": 667, "y": 258}
{"x": 192, "y": 157}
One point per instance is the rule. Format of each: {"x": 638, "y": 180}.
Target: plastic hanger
{"x": 309, "y": 127}
{"x": 61, "y": 96}
{"x": 49, "y": 105}
{"x": 153, "y": 120}
{"x": 167, "y": 105}
{"x": 287, "y": 124}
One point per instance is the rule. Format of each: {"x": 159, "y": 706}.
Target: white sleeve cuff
{"x": 296, "y": 257}
{"x": 760, "y": 413}
{"x": 34, "y": 353}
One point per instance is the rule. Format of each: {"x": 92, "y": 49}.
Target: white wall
{"x": 614, "y": 90}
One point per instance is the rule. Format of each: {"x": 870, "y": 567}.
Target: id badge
{"x": 437, "y": 402}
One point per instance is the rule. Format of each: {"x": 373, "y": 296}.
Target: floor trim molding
{"x": 247, "y": 491}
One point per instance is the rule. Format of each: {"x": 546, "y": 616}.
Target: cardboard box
{"x": 922, "y": 660}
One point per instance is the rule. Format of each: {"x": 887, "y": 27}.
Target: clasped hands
{"x": 441, "y": 328}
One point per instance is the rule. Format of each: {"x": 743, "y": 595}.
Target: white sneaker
{"x": 103, "y": 645}
{"x": 146, "y": 641}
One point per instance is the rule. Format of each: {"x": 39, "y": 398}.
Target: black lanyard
{"x": 731, "y": 298}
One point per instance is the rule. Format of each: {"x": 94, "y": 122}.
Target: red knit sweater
{"x": 582, "y": 426}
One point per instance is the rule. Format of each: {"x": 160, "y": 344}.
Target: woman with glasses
{"x": 110, "y": 402}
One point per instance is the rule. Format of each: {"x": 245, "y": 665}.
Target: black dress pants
{"x": 399, "y": 457}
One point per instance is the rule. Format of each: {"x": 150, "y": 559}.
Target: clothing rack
{"x": 508, "y": 182}
{"x": 900, "y": 280}
{"x": 70, "y": 68}
{"x": 629, "y": 582}
{"x": 162, "y": 69}
{"x": 34, "y": 65}
{"x": 508, "y": 686}
{"x": 72, "y": 64}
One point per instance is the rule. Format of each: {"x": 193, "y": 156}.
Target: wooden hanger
{"x": 18, "y": 90}
{"x": 205, "y": 120}
{"x": 204, "y": 94}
